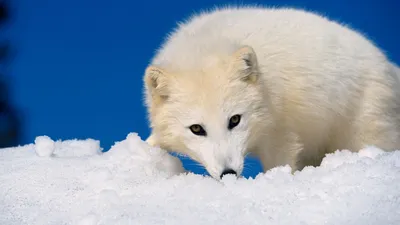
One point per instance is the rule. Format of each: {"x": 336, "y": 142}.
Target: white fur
{"x": 312, "y": 86}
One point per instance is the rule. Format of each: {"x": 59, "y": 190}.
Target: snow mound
{"x": 73, "y": 182}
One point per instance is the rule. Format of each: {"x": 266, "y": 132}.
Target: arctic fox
{"x": 283, "y": 84}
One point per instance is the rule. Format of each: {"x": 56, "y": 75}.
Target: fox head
{"x": 211, "y": 115}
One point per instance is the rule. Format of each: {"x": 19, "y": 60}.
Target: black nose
{"x": 228, "y": 171}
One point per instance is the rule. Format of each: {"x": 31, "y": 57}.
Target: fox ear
{"x": 156, "y": 81}
{"x": 245, "y": 65}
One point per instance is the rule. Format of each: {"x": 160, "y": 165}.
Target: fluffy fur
{"x": 303, "y": 84}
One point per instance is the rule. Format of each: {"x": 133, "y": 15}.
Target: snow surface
{"x": 73, "y": 182}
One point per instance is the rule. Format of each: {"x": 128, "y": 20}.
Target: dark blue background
{"x": 79, "y": 63}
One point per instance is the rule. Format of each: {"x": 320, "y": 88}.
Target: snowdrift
{"x": 73, "y": 182}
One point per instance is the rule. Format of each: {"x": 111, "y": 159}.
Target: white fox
{"x": 283, "y": 84}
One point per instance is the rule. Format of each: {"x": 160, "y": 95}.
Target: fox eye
{"x": 197, "y": 130}
{"x": 234, "y": 121}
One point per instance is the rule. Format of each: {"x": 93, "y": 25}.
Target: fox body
{"x": 283, "y": 84}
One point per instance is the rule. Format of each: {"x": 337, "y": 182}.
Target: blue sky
{"x": 79, "y": 63}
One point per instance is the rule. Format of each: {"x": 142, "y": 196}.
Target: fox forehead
{"x": 202, "y": 107}
{"x": 207, "y": 92}
{"x": 198, "y": 101}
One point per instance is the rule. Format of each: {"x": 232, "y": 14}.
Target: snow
{"x": 44, "y": 146}
{"x": 73, "y": 182}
